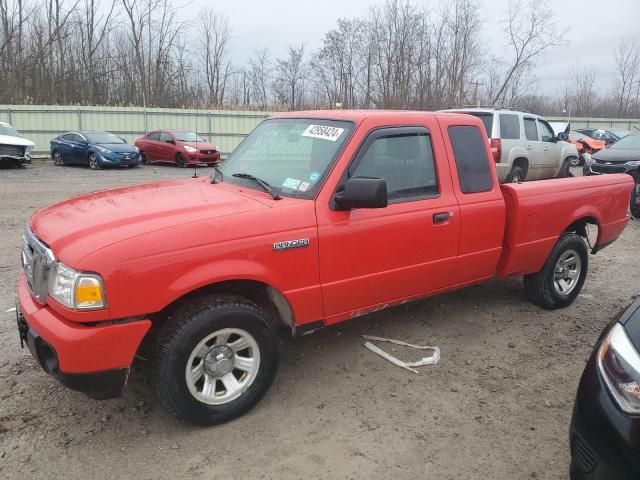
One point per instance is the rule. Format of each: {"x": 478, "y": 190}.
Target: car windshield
{"x": 620, "y": 133}
{"x": 188, "y": 137}
{"x": 103, "y": 137}
{"x": 291, "y": 155}
{"x": 9, "y": 131}
{"x": 630, "y": 142}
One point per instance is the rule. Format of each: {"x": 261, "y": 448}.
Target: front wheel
{"x": 93, "y": 162}
{"x": 215, "y": 359}
{"x": 634, "y": 205}
{"x": 561, "y": 279}
{"x": 180, "y": 161}
{"x": 57, "y": 159}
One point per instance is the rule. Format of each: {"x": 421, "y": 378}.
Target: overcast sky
{"x": 595, "y": 27}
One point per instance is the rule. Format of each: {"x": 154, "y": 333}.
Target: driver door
{"x": 370, "y": 257}
{"x": 166, "y": 148}
{"x": 552, "y": 150}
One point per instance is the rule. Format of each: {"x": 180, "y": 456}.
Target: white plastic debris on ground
{"x": 430, "y": 360}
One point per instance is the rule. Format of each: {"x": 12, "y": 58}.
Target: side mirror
{"x": 170, "y": 141}
{"x": 362, "y": 192}
{"x": 563, "y": 136}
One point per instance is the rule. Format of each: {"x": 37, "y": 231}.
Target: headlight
{"x": 103, "y": 149}
{"x": 619, "y": 364}
{"x": 80, "y": 291}
{"x": 190, "y": 149}
{"x": 635, "y": 163}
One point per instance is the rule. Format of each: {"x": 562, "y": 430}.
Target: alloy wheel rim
{"x": 567, "y": 272}
{"x": 92, "y": 161}
{"x": 222, "y": 366}
{"x": 56, "y": 158}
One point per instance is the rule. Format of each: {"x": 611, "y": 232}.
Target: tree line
{"x": 400, "y": 55}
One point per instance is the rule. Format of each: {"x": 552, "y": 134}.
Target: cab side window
{"x": 470, "y": 152}
{"x": 530, "y": 129}
{"x": 404, "y": 158}
{"x": 154, "y": 136}
{"x": 165, "y": 137}
{"x": 546, "y": 133}
{"x": 509, "y": 126}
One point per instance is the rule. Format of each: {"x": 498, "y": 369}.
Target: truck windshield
{"x": 292, "y": 155}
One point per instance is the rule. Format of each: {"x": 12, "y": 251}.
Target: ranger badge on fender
{"x": 287, "y": 244}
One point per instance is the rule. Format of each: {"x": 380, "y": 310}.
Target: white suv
{"x": 523, "y": 145}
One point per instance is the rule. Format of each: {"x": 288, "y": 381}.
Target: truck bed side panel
{"x": 538, "y": 213}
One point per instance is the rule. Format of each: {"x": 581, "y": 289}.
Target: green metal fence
{"x": 225, "y": 128}
{"x": 40, "y": 123}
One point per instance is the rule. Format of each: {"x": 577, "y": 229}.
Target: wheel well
{"x": 263, "y": 295}
{"x": 523, "y": 163}
{"x": 581, "y": 227}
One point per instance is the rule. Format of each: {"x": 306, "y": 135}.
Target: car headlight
{"x": 80, "y": 291}
{"x": 619, "y": 364}
{"x": 190, "y": 149}
{"x": 634, "y": 163}
{"x": 103, "y": 149}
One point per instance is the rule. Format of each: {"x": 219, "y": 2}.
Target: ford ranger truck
{"x": 316, "y": 218}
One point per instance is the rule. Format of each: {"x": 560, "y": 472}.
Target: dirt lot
{"x": 497, "y": 405}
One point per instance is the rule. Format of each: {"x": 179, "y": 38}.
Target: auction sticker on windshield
{"x": 323, "y": 131}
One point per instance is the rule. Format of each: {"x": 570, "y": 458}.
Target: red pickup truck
{"x": 316, "y": 218}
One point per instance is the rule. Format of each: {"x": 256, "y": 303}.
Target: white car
{"x": 523, "y": 145}
{"x": 14, "y": 149}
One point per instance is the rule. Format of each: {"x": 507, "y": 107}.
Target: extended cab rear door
{"x": 482, "y": 207}
{"x": 371, "y": 257}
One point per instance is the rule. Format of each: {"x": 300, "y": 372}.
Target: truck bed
{"x": 538, "y": 212}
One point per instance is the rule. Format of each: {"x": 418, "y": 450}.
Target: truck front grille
{"x": 12, "y": 150}
{"x": 37, "y": 260}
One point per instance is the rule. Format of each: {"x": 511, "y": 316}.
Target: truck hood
{"x": 81, "y": 225}
{"x": 19, "y": 141}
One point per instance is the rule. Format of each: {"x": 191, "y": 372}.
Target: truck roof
{"x": 358, "y": 116}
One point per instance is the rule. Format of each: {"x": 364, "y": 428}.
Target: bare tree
{"x": 584, "y": 92}
{"x": 215, "y": 35}
{"x": 260, "y": 77}
{"x": 627, "y": 58}
{"x": 530, "y": 32}
{"x": 290, "y": 77}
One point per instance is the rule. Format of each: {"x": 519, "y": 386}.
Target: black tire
{"x": 539, "y": 287}
{"x": 634, "y": 204}
{"x": 565, "y": 170}
{"x": 145, "y": 160}
{"x": 93, "y": 162}
{"x": 516, "y": 175}
{"x": 180, "y": 160}
{"x": 56, "y": 156}
{"x": 180, "y": 335}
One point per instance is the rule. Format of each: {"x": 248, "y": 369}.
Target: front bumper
{"x": 13, "y": 160}
{"x": 198, "y": 158}
{"x": 114, "y": 159}
{"x": 601, "y": 168}
{"x": 91, "y": 359}
{"x": 604, "y": 440}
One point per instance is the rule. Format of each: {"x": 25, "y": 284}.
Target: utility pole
{"x": 475, "y": 92}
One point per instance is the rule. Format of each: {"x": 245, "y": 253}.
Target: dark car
{"x": 608, "y": 135}
{"x": 96, "y": 149}
{"x": 180, "y": 147}
{"x": 605, "y": 428}
{"x": 621, "y": 157}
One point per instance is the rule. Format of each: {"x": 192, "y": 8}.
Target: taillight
{"x": 496, "y": 149}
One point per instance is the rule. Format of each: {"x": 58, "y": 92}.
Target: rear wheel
{"x": 215, "y": 359}
{"x": 561, "y": 279}
{"x": 516, "y": 175}
{"x": 57, "y": 159}
{"x": 180, "y": 160}
{"x": 93, "y": 162}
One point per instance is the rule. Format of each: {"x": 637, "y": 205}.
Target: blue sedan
{"x": 96, "y": 149}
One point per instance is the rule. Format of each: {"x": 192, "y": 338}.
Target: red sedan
{"x": 177, "y": 146}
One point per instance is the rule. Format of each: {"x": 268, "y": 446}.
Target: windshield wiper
{"x": 265, "y": 186}
{"x": 216, "y": 169}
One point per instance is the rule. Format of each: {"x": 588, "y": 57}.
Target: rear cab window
{"x": 509, "y": 126}
{"x": 469, "y": 150}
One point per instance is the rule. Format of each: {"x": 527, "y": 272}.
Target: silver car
{"x": 523, "y": 145}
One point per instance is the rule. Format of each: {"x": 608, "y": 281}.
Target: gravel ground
{"x": 498, "y": 404}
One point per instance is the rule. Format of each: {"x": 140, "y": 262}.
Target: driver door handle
{"x": 442, "y": 217}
